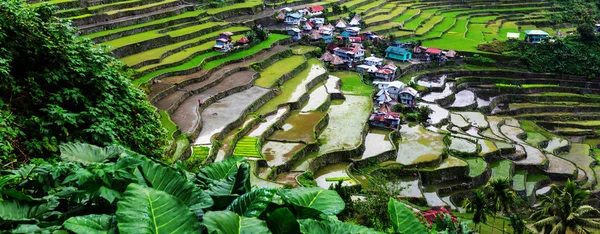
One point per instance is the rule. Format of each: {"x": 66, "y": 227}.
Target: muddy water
{"x": 332, "y": 84}
{"x": 278, "y": 153}
{"x": 410, "y": 186}
{"x": 419, "y": 145}
{"x": 433, "y": 199}
{"x": 463, "y": 145}
{"x": 436, "y": 81}
{"x": 434, "y": 96}
{"x": 332, "y": 171}
{"x": 298, "y": 127}
{"x": 317, "y": 97}
{"x": 475, "y": 118}
{"x": 288, "y": 178}
{"x": 269, "y": 120}
{"x": 464, "y": 98}
{"x": 315, "y": 70}
{"x": 458, "y": 121}
{"x": 346, "y": 118}
{"x": 439, "y": 113}
{"x": 376, "y": 143}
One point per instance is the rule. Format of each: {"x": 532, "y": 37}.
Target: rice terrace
{"x": 299, "y": 116}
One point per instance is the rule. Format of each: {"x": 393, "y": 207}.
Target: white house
{"x": 408, "y": 96}
{"x": 355, "y": 21}
{"x": 341, "y": 24}
{"x": 374, "y": 61}
{"x": 394, "y": 88}
{"x": 353, "y": 31}
{"x": 350, "y": 54}
{"x": 307, "y": 26}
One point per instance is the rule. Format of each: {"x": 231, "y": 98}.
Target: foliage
{"x": 564, "y": 209}
{"x": 307, "y": 179}
{"x": 567, "y": 56}
{"x": 130, "y": 193}
{"x": 477, "y": 59}
{"x": 57, "y": 87}
{"x": 403, "y": 219}
{"x": 517, "y": 223}
{"x": 445, "y": 224}
{"x": 478, "y": 204}
{"x": 575, "y": 11}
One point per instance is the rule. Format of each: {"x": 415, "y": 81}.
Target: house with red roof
{"x": 350, "y": 54}
{"x": 314, "y": 10}
{"x": 384, "y": 117}
{"x": 433, "y": 51}
{"x": 308, "y": 26}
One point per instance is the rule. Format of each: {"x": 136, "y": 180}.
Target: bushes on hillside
{"x": 57, "y": 87}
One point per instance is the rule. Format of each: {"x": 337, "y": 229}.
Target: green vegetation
{"x": 269, "y": 76}
{"x": 199, "y": 153}
{"x": 301, "y": 49}
{"x": 247, "y": 147}
{"x": 166, "y": 122}
{"x": 352, "y": 83}
{"x": 247, "y": 4}
{"x": 535, "y": 133}
{"x": 245, "y": 53}
{"x": 79, "y": 93}
{"x": 502, "y": 169}
{"x": 476, "y": 166}
{"x": 519, "y": 180}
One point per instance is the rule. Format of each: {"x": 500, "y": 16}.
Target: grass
{"x": 415, "y": 22}
{"x": 302, "y": 49}
{"x": 384, "y": 17}
{"x": 189, "y": 14}
{"x": 352, "y": 84}
{"x": 181, "y": 55}
{"x": 145, "y": 6}
{"x": 501, "y": 169}
{"x": 196, "y": 61}
{"x": 245, "y": 53}
{"x": 426, "y": 27}
{"x": 486, "y": 227}
{"x": 519, "y": 180}
{"x": 246, "y": 147}
{"x": 288, "y": 88}
{"x": 535, "y": 133}
{"x": 476, "y": 166}
{"x": 270, "y": 75}
{"x": 369, "y": 6}
{"x": 199, "y": 153}
{"x": 140, "y": 37}
{"x": 247, "y": 4}
{"x": 51, "y": 2}
{"x": 532, "y": 179}
{"x": 158, "y": 52}
{"x": 166, "y": 122}
{"x": 182, "y": 143}
{"x": 406, "y": 15}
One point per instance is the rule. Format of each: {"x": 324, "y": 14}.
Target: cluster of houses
{"x": 391, "y": 94}
{"x": 224, "y": 42}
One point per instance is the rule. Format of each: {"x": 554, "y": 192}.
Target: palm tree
{"x": 564, "y": 210}
{"x": 500, "y": 196}
{"x": 479, "y": 205}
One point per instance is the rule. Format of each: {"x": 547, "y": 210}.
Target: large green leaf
{"x": 242, "y": 179}
{"x": 238, "y": 184}
{"x": 227, "y": 222}
{"x": 311, "y": 202}
{"x": 93, "y": 224}
{"x": 219, "y": 170}
{"x": 403, "y": 219}
{"x": 13, "y": 210}
{"x": 282, "y": 221}
{"x": 252, "y": 204}
{"x": 147, "y": 210}
{"x": 313, "y": 226}
{"x": 172, "y": 182}
{"x": 86, "y": 153}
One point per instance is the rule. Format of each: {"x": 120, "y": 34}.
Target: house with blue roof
{"x": 293, "y": 18}
{"x": 397, "y": 53}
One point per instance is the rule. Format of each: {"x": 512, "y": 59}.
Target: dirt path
{"x": 186, "y": 116}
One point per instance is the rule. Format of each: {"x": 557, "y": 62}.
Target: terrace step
{"x": 108, "y": 23}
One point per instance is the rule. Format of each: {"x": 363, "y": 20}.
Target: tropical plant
{"x": 478, "y": 204}
{"x": 57, "y": 87}
{"x": 445, "y": 224}
{"x": 501, "y": 197}
{"x": 517, "y": 223}
{"x": 403, "y": 219}
{"x": 563, "y": 211}
{"x": 114, "y": 190}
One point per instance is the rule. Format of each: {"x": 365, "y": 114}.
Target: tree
{"x": 564, "y": 210}
{"x": 516, "y": 222}
{"x": 336, "y": 9}
{"x": 344, "y": 9}
{"x": 479, "y": 205}
{"x": 501, "y": 198}
{"x": 587, "y": 32}
{"x": 58, "y": 87}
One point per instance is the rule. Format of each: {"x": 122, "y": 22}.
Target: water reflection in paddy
{"x": 337, "y": 171}
{"x": 376, "y": 143}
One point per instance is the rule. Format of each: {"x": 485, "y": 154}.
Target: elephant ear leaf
{"x": 252, "y": 204}
{"x": 403, "y": 219}
{"x": 92, "y": 224}
{"x": 86, "y": 153}
{"x": 227, "y": 222}
{"x": 147, "y": 210}
{"x": 13, "y": 210}
{"x": 220, "y": 170}
{"x": 282, "y": 221}
{"x": 313, "y": 226}
{"x": 311, "y": 202}
{"x": 172, "y": 182}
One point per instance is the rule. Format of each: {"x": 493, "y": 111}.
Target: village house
{"x": 513, "y": 36}
{"x": 370, "y": 36}
{"x": 353, "y": 31}
{"x": 243, "y": 41}
{"x": 223, "y": 42}
{"x": 535, "y": 36}
{"x": 398, "y": 53}
{"x": 315, "y": 36}
{"x": 350, "y": 54}
{"x": 296, "y": 33}
{"x": 384, "y": 117}
{"x": 384, "y": 74}
{"x": 327, "y": 29}
{"x": 355, "y": 21}
{"x": 293, "y": 19}
{"x": 394, "y": 88}
{"x": 374, "y": 61}
{"x": 408, "y": 97}
{"x": 341, "y": 25}
{"x": 314, "y": 10}
{"x": 308, "y": 26}
{"x": 317, "y": 22}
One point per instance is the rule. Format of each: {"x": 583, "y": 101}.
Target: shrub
{"x": 477, "y": 59}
